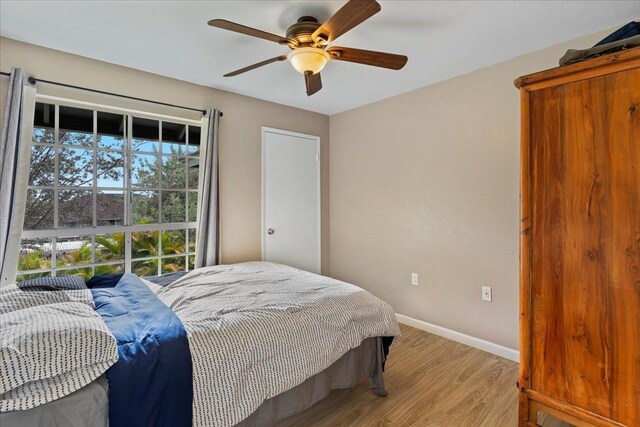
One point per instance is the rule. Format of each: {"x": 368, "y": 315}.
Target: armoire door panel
{"x": 585, "y": 254}
{"x": 585, "y": 230}
{"x": 623, "y": 128}
{"x": 547, "y": 355}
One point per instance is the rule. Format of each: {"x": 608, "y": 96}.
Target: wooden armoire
{"x": 580, "y": 243}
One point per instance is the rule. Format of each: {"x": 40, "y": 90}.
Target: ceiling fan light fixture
{"x": 308, "y": 59}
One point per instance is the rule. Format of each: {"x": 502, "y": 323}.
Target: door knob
{"x": 270, "y": 231}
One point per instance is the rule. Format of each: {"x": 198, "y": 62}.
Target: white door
{"x": 291, "y": 199}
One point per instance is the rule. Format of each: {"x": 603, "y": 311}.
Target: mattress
{"x": 89, "y": 406}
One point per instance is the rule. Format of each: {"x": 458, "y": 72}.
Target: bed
{"x": 263, "y": 342}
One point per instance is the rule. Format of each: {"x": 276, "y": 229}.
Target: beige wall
{"x": 240, "y": 130}
{"x": 428, "y": 182}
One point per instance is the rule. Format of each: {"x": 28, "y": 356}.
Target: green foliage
{"x": 79, "y": 256}
{"x": 144, "y": 209}
{"x": 145, "y": 205}
{"x": 34, "y": 260}
{"x": 85, "y": 273}
{"x": 171, "y": 265}
{"x": 108, "y": 269}
{"x": 144, "y": 244}
{"x": 24, "y": 277}
{"x": 173, "y": 205}
{"x": 145, "y": 268}
{"x": 110, "y": 247}
{"x": 174, "y": 171}
{"x": 173, "y": 242}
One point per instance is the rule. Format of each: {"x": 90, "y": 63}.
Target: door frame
{"x": 315, "y": 138}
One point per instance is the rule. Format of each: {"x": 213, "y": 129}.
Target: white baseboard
{"x": 507, "y": 353}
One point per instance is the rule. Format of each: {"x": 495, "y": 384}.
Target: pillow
{"x": 165, "y": 279}
{"x": 42, "y": 291}
{"x": 53, "y": 283}
{"x": 49, "y": 350}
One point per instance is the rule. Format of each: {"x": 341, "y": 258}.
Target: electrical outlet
{"x": 486, "y": 293}
{"x": 414, "y": 279}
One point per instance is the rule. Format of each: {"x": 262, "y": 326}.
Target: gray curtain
{"x": 15, "y": 155}
{"x": 208, "y": 235}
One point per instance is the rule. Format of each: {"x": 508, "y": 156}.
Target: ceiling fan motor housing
{"x": 302, "y": 30}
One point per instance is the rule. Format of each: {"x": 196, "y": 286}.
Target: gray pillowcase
{"x": 44, "y": 291}
{"x": 53, "y": 283}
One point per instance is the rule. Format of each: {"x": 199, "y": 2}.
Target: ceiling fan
{"x": 309, "y": 43}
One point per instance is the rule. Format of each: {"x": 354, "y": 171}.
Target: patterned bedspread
{"x": 52, "y": 342}
{"x": 258, "y": 329}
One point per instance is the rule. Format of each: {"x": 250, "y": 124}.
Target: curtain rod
{"x": 34, "y": 80}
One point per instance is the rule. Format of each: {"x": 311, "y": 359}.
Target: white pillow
{"x": 54, "y": 348}
{"x": 44, "y": 290}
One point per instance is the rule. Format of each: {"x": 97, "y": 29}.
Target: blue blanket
{"x": 151, "y": 384}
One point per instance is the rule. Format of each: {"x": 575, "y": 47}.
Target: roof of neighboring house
{"x": 109, "y": 206}
{"x": 61, "y": 247}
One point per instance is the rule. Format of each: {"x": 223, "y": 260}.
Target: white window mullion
{"x": 128, "y": 151}
{"x": 186, "y": 176}
{"x": 56, "y": 160}
{"x": 128, "y": 159}
{"x": 127, "y": 251}
{"x": 54, "y": 254}
{"x": 159, "y": 163}
{"x": 159, "y": 252}
{"x": 160, "y": 169}
{"x": 94, "y": 191}
{"x": 93, "y": 249}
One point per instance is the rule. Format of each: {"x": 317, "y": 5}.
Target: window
{"x": 109, "y": 193}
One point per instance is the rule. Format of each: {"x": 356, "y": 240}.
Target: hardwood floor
{"x": 431, "y": 381}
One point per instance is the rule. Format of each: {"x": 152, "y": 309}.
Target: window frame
{"x": 127, "y": 189}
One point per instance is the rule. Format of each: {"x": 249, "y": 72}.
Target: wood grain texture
{"x": 525, "y": 253}
{"x": 257, "y": 65}
{"x": 352, "y": 14}
{"x": 368, "y": 57}
{"x": 623, "y": 129}
{"x": 580, "y": 257}
{"x": 431, "y": 382}
{"x": 312, "y": 82}
{"x": 249, "y": 31}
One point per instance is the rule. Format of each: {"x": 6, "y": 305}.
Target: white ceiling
{"x": 442, "y": 39}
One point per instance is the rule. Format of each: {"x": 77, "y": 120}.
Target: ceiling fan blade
{"x": 368, "y": 57}
{"x": 313, "y": 83}
{"x": 350, "y": 15}
{"x": 254, "y": 66}
{"x": 243, "y": 29}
